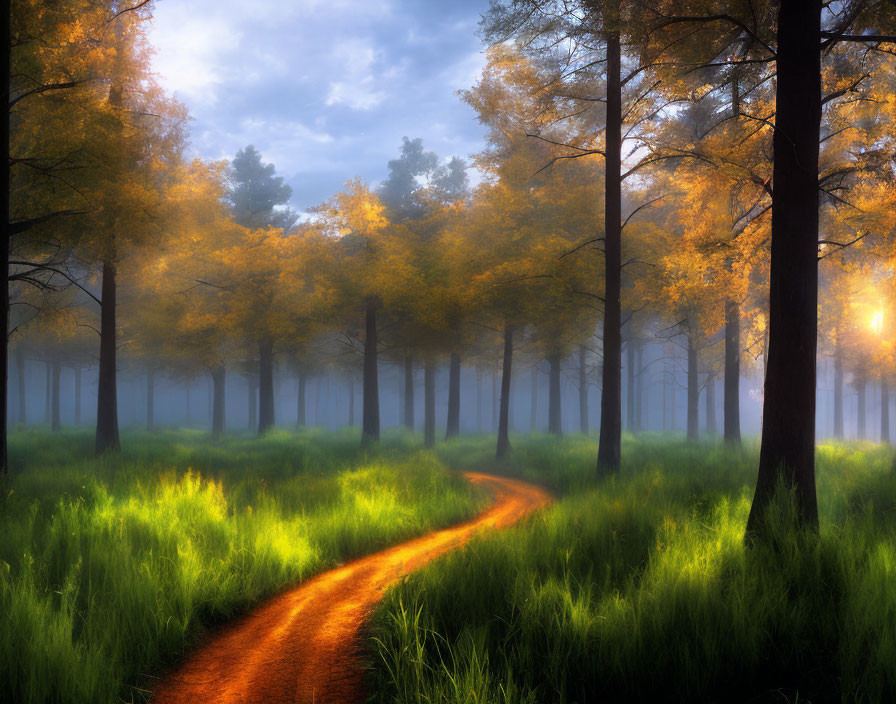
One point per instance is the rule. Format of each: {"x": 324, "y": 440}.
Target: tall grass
{"x": 641, "y": 589}
{"x": 111, "y": 569}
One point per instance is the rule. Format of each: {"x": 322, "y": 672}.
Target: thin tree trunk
{"x": 495, "y": 401}
{"x": 693, "y": 391}
{"x": 608, "y": 454}
{"x": 20, "y": 367}
{"x": 504, "y": 416}
{"x": 884, "y": 409}
{"x": 253, "y": 403}
{"x": 838, "y": 393}
{"x": 48, "y": 392}
{"x": 219, "y": 401}
{"x": 370, "y": 429}
{"x": 788, "y": 428}
{"x": 665, "y": 401}
{"x": 533, "y": 416}
{"x": 453, "y": 429}
{"x": 711, "y": 428}
{"x": 77, "y": 395}
{"x": 639, "y": 386}
{"x": 300, "y": 400}
{"x": 107, "y": 439}
{"x": 630, "y": 385}
{"x": 478, "y": 400}
{"x": 583, "y": 390}
{"x": 409, "y": 392}
{"x": 351, "y": 402}
{"x": 861, "y": 387}
{"x": 429, "y": 404}
{"x": 150, "y": 399}
{"x": 731, "y": 401}
{"x": 265, "y": 385}
{"x": 555, "y": 423}
{"x": 55, "y": 415}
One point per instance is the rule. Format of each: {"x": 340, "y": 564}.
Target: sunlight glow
{"x": 877, "y": 322}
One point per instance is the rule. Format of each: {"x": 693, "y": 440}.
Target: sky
{"x": 325, "y": 89}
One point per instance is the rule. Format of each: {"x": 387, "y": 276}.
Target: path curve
{"x": 304, "y": 646}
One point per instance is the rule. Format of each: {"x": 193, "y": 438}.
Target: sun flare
{"x": 877, "y": 322}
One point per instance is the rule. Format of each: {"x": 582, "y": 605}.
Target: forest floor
{"x": 641, "y": 589}
{"x": 304, "y": 645}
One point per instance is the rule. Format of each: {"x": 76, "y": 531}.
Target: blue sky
{"x": 325, "y": 89}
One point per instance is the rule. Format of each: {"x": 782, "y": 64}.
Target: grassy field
{"x": 110, "y": 569}
{"x": 641, "y": 589}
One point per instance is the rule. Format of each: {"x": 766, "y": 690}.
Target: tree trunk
{"x": 630, "y": 385}
{"x": 693, "y": 391}
{"x": 253, "y": 403}
{"x": 300, "y": 400}
{"x": 731, "y": 401}
{"x": 150, "y": 399}
{"x": 107, "y": 439}
{"x": 54, "y": 415}
{"x": 608, "y": 454}
{"x": 555, "y": 423}
{"x": 48, "y": 392}
{"x": 351, "y": 402}
{"x": 639, "y": 386}
{"x": 265, "y": 385}
{"x": 453, "y": 429}
{"x": 20, "y": 368}
{"x": 711, "y": 428}
{"x": 370, "y": 428}
{"x": 861, "y": 387}
{"x": 838, "y": 393}
{"x": 884, "y": 409}
{"x": 504, "y": 415}
{"x": 583, "y": 391}
{"x": 429, "y": 404}
{"x": 478, "y": 400}
{"x": 77, "y": 396}
{"x": 409, "y": 392}
{"x": 665, "y": 402}
{"x": 495, "y": 401}
{"x": 788, "y": 428}
{"x": 4, "y": 253}
{"x": 219, "y": 400}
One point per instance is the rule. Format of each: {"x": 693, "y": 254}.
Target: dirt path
{"x": 303, "y": 646}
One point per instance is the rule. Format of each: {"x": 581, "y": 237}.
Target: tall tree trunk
{"x": 504, "y": 414}
{"x": 107, "y": 439}
{"x": 861, "y": 387}
{"x": 453, "y": 429}
{"x": 495, "y": 401}
{"x": 788, "y": 428}
{"x": 884, "y": 409}
{"x": 429, "y": 404}
{"x": 838, "y": 393}
{"x": 48, "y": 392}
{"x": 150, "y": 399}
{"x": 219, "y": 399}
{"x": 351, "y": 402}
{"x": 555, "y": 423}
{"x": 370, "y": 428}
{"x": 533, "y": 414}
{"x": 639, "y": 386}
{"x": 77, "y": 396}
{"x": 478, "y": 400}
{"x": 711, "y": 428}
{"x": 583, "y": 391}
{"x": 4, "y": 253}
{"x": 665, "y": 401}
{"x": 300, "y": 399}
{"x": 731, "y": 401}
{"x": 55, "y": 415}
{"x": 20, "y": 368}
{"x": 253, "y": 403}
{"x": 693, "y": 391}
{"x": 409, "y": 392}
{"x": 608, "y": 453}
{"x": 265, "y": 385}
{"x": 630, "y": 385}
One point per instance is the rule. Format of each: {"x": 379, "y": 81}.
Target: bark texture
{"x": 219, "y": 399}
{"x": 453, "y": 425}
{"x": 731, "y": 400}
{"x": 107, "y": 438}
{"x": 504, "y": 414}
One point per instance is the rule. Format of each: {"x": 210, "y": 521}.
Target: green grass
{"x": 640, "y": 588}
{"x": 110, "y": 569}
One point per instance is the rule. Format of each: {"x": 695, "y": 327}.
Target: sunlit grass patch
{"x": 110, "y": 569}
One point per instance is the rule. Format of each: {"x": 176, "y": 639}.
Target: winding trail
{"x": 304, "y": 645}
